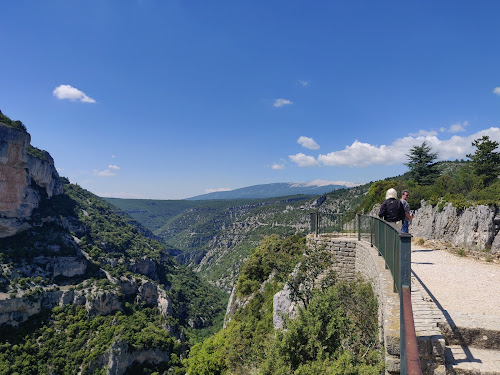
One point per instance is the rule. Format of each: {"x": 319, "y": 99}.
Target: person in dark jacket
{"x": 392, "y": 209}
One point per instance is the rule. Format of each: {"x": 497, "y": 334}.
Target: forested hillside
{"x": 215, "y": 237}
{"x": 99, "y": 284}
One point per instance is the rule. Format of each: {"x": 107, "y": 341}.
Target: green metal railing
{"x": 395, "y": 247}
{"x": 392, "y": 244}
{"x": 333, "y": 223}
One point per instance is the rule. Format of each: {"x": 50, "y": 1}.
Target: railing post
{"x": 405, "y": 318}
{"x": 405, "y": 261}
{"x": 359, "y": 226}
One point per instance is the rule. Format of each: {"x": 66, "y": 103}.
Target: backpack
{"x": 395, "y": 210}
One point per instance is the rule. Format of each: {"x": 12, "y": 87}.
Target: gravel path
{"x": 459, "y": 284}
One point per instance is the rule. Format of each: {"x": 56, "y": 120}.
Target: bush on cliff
{"x": 335, "y": 333}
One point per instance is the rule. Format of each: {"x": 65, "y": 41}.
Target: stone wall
{"x": 343, "y": 251}
{"x": 351, "y": 257}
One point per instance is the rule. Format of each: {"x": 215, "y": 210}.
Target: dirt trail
{"x": 460, "y": 284}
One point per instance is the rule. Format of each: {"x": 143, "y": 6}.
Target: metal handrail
{"x": 395, "y": 248}
{"x": 333, "y": 223}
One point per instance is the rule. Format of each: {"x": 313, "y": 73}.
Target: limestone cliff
{"x": 23, "y": 178}
{"x": 474, "y": 227}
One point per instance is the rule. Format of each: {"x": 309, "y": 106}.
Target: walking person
{"x": 404, "y": 200}
{"x": 392, "y": 209}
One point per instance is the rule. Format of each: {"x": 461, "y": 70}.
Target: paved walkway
{"x": 458, "y": 298}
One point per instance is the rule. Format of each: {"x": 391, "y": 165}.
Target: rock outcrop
{"x": 119, "y": 357}
{"x": 475, "y": 227}
{"x": 152, "y": 294}
{"x": 22, "y": 179}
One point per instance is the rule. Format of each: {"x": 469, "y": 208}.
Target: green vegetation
{"x": 485, "y": 161}
{"x": 271, "y": 255}
{"x": 37, "y": 153}
{"x": 461, "y": 183}
{"x": 421, "y": 163}
{"x": 335, "y": 332}
{"x": 192, "y": 227}
{"x": 67, "y": 339}
{"x": 4, "y": 120}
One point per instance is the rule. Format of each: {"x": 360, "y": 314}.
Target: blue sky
{"x": 171, "y": 99}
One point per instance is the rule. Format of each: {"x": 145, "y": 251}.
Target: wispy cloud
{"x": 496, "y": 90}
{"x": 304, "y": 83}
{"x": 104, "y": 173}
{"x": 111, "y": 166}
{"x": 424, "y": 133}
{"x": 458, "y": 127}
{"x": 278, "y": 166}
{"x": 303, "y": 160}
{"x": 308, "y": 143}
{"x": 360, "y": 154}
{"x": 282, "y": 102}
{"x": 71, "y": 93}
{"x": 217, "y": 190}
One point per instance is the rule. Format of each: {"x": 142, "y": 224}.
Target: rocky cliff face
{"x": 476, "y": 227}
{"x": 23, "y": 177}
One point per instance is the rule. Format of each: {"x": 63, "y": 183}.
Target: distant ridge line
{"x": 272, "y": 190}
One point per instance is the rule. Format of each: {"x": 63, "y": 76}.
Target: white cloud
{"x": 111, "y": 166}
{"x": 217, "y": 190}
{"x": 104, "y": 173}
{"x": 278, "y": 166}
{"x": 424, "y": 133}
{"x": 304, "y": 160}
{"x": 455, "y": 128}
{"x": 71, "y": 93}
{"x": 361, "y": 154}
{"x": 458, "y": 127}
{"x": 282, "y": 102}
{"x": 496, "y": 90}
{"x": 307, "y": 143}
{"x": 304, "y": 83}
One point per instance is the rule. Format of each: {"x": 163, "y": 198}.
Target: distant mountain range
{"x": 279, "y": 189}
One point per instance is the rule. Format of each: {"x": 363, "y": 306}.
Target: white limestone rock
{"x": 17, "y": 172}
{"x": 283, "y": 305}
{"x": 152, "y": 294}
{"x": 119, "y": 357}
{"x": 473, "y": 227}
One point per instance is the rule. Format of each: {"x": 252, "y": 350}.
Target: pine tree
{"x": 421, "y": 162}
{"x": 485, "y": 161}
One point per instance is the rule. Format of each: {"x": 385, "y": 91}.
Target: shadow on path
{"x": 422, "y": 263}
{"x": 451, "y": 323}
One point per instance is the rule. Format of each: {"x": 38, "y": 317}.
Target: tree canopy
{"x": 485, "y": 161}
{"x": 422, "y": 164}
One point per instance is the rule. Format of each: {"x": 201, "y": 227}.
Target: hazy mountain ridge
{"x": 278, "y": 189}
